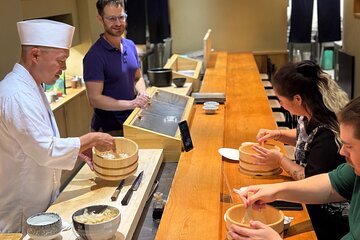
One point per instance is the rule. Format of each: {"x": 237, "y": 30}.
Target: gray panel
{"x": 163, "y": 114}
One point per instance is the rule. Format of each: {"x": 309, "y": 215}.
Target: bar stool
{"x": 267, "y": 84}
{"x": 264, "y": 76}
{"x": 279, "y": 118}
{"x": 275, "y": 105}
{"x": 270, "y": 93}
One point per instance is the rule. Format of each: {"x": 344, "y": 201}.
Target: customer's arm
{"x": 285, "y": 136}
{"x": 313, "y": 190}
{"x": 139, "y": 82}
{"x": 98, "y": 100}
{"x": 274, "y": 157}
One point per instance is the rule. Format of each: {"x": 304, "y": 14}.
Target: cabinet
{"x": 73, "y": 113}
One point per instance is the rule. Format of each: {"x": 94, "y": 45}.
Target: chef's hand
{"x": 266, "y": 156}
{"x": 104, "y": 142}
{"x": 257, "y": 230}
{"x": 266, "y": 134}
{"x": 86, "y": 159}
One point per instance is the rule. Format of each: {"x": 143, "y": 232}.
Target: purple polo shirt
{"x": 117, "y": 70}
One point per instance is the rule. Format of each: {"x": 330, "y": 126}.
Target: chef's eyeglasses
{"x": 113, "y": 19}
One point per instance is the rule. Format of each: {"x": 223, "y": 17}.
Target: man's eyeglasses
{"x": 113, "y": 19}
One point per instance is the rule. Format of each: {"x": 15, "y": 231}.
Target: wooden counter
{"x": 199, "y": 195}
{"x": 86, "y": 189}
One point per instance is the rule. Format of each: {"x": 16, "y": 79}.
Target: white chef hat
{"x": 47, "y": 33}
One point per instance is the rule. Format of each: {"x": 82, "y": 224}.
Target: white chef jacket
{"x": 32, "y": 154}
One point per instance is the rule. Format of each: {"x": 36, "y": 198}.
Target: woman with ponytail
{"x": 306, "y": 91}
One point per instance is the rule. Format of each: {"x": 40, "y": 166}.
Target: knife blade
{"x": 117, "y": 190}
{"x": 133, "y": 188}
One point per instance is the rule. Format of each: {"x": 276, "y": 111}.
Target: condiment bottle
{"x": 158, "y": 206}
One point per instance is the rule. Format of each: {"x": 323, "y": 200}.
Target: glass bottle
{"x": 158, "y": 206}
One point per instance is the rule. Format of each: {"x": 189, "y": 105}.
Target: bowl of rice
{"x": 97, "y": 222}
{"x": 114, "y": 166}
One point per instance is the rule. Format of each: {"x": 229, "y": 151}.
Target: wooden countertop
{"x": 86, "y": 189}
{"x": 199, "y": 196}
{"x": 70, "y": 94}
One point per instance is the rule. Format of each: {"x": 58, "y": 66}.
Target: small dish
{"x": 211, "y": 103}
{"x": 44, "y": 226}
{"x": 210, "y": 109}
{"x": 179, "y": 82}
{"x": 230, "y": 153}
{"x": 287, "y": 222}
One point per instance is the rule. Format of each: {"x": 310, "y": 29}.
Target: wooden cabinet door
{"x": 78, "y": 116}
{"x": 59, "y": 114}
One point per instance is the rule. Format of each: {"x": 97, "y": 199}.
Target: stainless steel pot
{"x": 160, "y": 77}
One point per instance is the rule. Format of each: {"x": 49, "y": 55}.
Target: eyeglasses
{"x": 113, "y": 19}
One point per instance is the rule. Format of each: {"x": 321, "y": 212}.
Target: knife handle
{"x": 115, "y": 195}
{"x": 127, "y": 197}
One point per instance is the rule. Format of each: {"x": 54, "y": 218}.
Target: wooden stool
{"x": 267, "y": 84}
{"x": 274, "y": 104}
{"x": 270, "y": 93}
{"x": 264, "y": 77}
{"x": 279, "y": 118}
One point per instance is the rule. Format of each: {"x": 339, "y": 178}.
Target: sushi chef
{"x": 32, "y": 154}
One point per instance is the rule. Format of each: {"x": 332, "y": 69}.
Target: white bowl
{"x": 97, "y": 231}
{"x": 210, "y": 109}
{"x": 211, "y": 103}
{"x": 44, "y": 226}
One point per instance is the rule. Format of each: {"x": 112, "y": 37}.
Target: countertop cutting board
{"x": 10, "y": 236}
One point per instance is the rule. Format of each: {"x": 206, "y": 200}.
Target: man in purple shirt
{"x": 112, "y": 72}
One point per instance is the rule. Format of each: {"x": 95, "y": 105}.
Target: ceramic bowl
{"x": 211, "y": 103}
{"x": 210, "y": 109}
{"x": 99, "y": 230}
{"x": 43, "y": 226}
{"x": 269, "y": 215}
{"x": 179, "y": 82}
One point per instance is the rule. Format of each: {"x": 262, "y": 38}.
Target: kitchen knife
{"x": 133, "y": 188}
{"x": 117, "y": 190}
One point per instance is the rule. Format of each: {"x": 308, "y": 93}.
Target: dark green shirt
{"x": 347, "y": 184}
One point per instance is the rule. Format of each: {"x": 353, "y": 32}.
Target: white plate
{"x": 230, "y": 153}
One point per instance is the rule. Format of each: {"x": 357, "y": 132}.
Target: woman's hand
{"x": 267, "y": 156}
{"x": 257, "y": 231}
{"x": 266, "y": 134}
